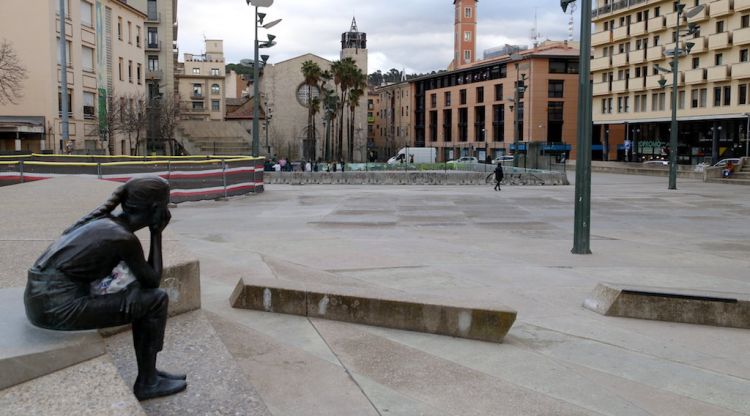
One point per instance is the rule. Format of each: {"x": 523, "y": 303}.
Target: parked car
{"x": 723, "y": 162}
{"x": 500, "y": 159}
{"x": 654, "y": 163}
{"x": 464, "y": 159}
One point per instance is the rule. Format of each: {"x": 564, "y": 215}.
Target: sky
{"x": 411, "y": 35}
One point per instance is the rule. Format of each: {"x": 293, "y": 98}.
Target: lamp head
{"x": 271, "y": 24}
{"x": 689, "y": 46}
{"x": 264, "y": 58}
{"x": 271, "y": 38}
{"x": 564, "y": 4}
{"x": 680, "y": 8}
{"x": 662, "y": 83}
{"x": 695, "y": 10}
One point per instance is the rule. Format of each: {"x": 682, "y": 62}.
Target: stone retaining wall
{"x": 410, "y": 178}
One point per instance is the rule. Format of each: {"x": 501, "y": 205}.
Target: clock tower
{"x": 465, "y": 33}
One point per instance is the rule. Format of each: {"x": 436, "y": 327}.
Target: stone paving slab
{"x": 28, "y": 352}
{"x": 374, "y": 306}
{"x": 671, "y": 304}
{"x": 215, "y": 384}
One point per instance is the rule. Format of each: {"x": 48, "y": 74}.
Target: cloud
{"x": 415, "y": 34}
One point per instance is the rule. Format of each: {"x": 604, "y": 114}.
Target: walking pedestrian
{"x": 498, "y": 176}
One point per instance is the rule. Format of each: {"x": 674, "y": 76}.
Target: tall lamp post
{"x": 518, "y": 89}
{"x": 257, "y": 45}
{"x": 676, "y": 53}
{"x": 582, "y": 216}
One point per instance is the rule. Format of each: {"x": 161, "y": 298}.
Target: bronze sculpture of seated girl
{"x": 58, "y": 293}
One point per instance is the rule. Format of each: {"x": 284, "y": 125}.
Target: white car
{"x": 723, "y": 162}
{"x": 653, "y": 163}
{"x": 500, "y": 159}
{"x": 464, "y": 159}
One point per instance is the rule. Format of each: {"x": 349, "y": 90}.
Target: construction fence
{"x": 191, "y": 178}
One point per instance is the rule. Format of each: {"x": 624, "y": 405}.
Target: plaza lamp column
{"x": 676, "y": 53}
{"x": 65, "y": 111}
{"x": 517, "y": 90}
{"x": 582, "y": 215}
{"x": 258, "y": 23}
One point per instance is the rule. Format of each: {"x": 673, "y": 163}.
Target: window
{"x": 555, "y": 88}
{"x": 215, "y": 89}
{"x": 433, "y": 100}
{"x": 720, "y": 26}
{"x": 604, "y": 106}
{"x": 743, "y": 55}
{"x": 742, "y": 94}
{"x": 152, "y": 38}
{"x": 447, "y": 98}
{"x": 560, "y": 66}
{"x": 119, "y": 28}
{"x": 619, "y": 105}
{"x": 467, "y": 36}
{"x": 196, "y": 71}
{"x": 480, "y": 94}
{"x": 197, "y": 90}
{"x": 89, "y": 98}
{"x": 130, "y": 33}
{"x": 197, "y": 105}
{"x": 215, "y": 105}
{"x": 138, "y": 36}
{"x": 87, "y": 58}
{"x": 70, "y": 102}
{"x": 87, "y": 13}
{"x": 656, "y": 40}
{"x": 153, "y": 63}
{"x": 681, "y": 99}
{"x": 696, "y": 63}
{"x": 67, "y": 53}
{"x": 462, "y": 97}
{"x": 139, "y": 71}
{"x": 215, "y": 72}
{"x": 717, "y": 96}
{"x": 130, "y": 71}
{"x": 498, "y": 92}
{"x": 67, "y": 8}
{"x": 658, "y": 101}
{"x": 745, "y": 21}
{"x": 727, "y": 95}
{"x": 120, "y": 69}
{"x": 657, "y": 11}
{"x": 718, "y": 59}
{"x": 467, "y": 12}
{"x": 467, "y": 55}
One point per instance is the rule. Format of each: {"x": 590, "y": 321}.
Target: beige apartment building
{"x": 201, "y": 82}
{"x": 104, "y": 57}
{"x": 393, "y": 124}
{"x": 630, "y": 109}
{"x": 161, "y": 47}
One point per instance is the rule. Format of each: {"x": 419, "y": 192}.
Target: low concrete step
{"x": 27, "y": 352}
{"x": 216, "y": 386}
{"x": 372, "y": 306}
{"x": 671, "y": 304}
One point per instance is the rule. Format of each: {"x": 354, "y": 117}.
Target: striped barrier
{"x": 190, "y": 178}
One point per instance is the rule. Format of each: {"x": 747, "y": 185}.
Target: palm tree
{"x": 343, "y": 75}
{"x": 311, "y": 71}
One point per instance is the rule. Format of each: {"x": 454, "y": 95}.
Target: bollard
{"x": 20, "y": 170}
{"x": 224, "y": 176}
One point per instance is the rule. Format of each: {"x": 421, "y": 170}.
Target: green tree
{"x": 311, "y": 72}
{"x": 358, "y": 85}
{"x": 343, "y": 76}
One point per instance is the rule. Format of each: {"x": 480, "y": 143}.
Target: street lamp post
{"x": 517, "y": 91}
{"x": 676, "y": 53}
{"x": 258, "y": 23}
{"x": 582, "y": 215}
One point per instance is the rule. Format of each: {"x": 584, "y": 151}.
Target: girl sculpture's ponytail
{"x": 102, "y": 210}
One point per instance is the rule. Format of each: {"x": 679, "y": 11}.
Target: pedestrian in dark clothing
{"x": 498, "y": 176}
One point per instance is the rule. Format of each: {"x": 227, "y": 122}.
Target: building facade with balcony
{"x": 629, "y": 38}
{"x": 201, "y": 82}
{"x": 104, "y": 58}
{"x": 393, "y": 117}
{"x": 160, "y": 41}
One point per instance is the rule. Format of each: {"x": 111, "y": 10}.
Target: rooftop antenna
{"x": 571, "y": 21}
{"x": 534, "y": 32}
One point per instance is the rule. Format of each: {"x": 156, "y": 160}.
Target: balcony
{"x": 655, "y": 53}
{"x": 621, "y": 59}
{"x": 597, "y": 64}
{"x": 621, "y": 85}
{"x": 700, "y": 45}
{"x": 720, "y": 8}
{"x": 193, "y": 107}
{"x": 702, "y": 15}
{"x": 718, "y": 73}
{"x": 741, "y": 5}
{"x": 153, "y": 75}
{"x": 153, "y": 46}
{"x": 741, "y": 70}
{"x": 695, "y": 76}
{"x": 601, "y": 88}
{"x": 638, "y": 28}
{"x": 601, "y": 38}
{"x": 620, "y": 33}
{"x": 601, "y": 12}
{"x": 741, "y": 36}
{"x": 637, "y": 56}
{"x": 656, "y": 24}
{"x": 719, "y": 40}
{"x": 671, "y": 19}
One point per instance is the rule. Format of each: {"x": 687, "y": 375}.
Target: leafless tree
{"x": 135, "y": 120}
{"x": 114, "y": 117}
{"x": 169, "y": 113}
{"x": 12, "y": 74}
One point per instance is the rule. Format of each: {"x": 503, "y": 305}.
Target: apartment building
{"x": 201, "y": 80}
{"x": 375, "y": 141}
{"x": 393, "y": 120}
{"x": 104, "y": 57}
{"x": 630, "y": 38}
{"x": 161, "y": 47}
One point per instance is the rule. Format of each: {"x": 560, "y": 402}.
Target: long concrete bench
{"x": 673, "y": 305}
{"x": 372, "y": 307}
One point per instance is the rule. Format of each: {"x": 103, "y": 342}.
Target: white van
{"x": 414, "y": 155}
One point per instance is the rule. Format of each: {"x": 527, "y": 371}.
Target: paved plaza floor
{"x": 469, "y": 242}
